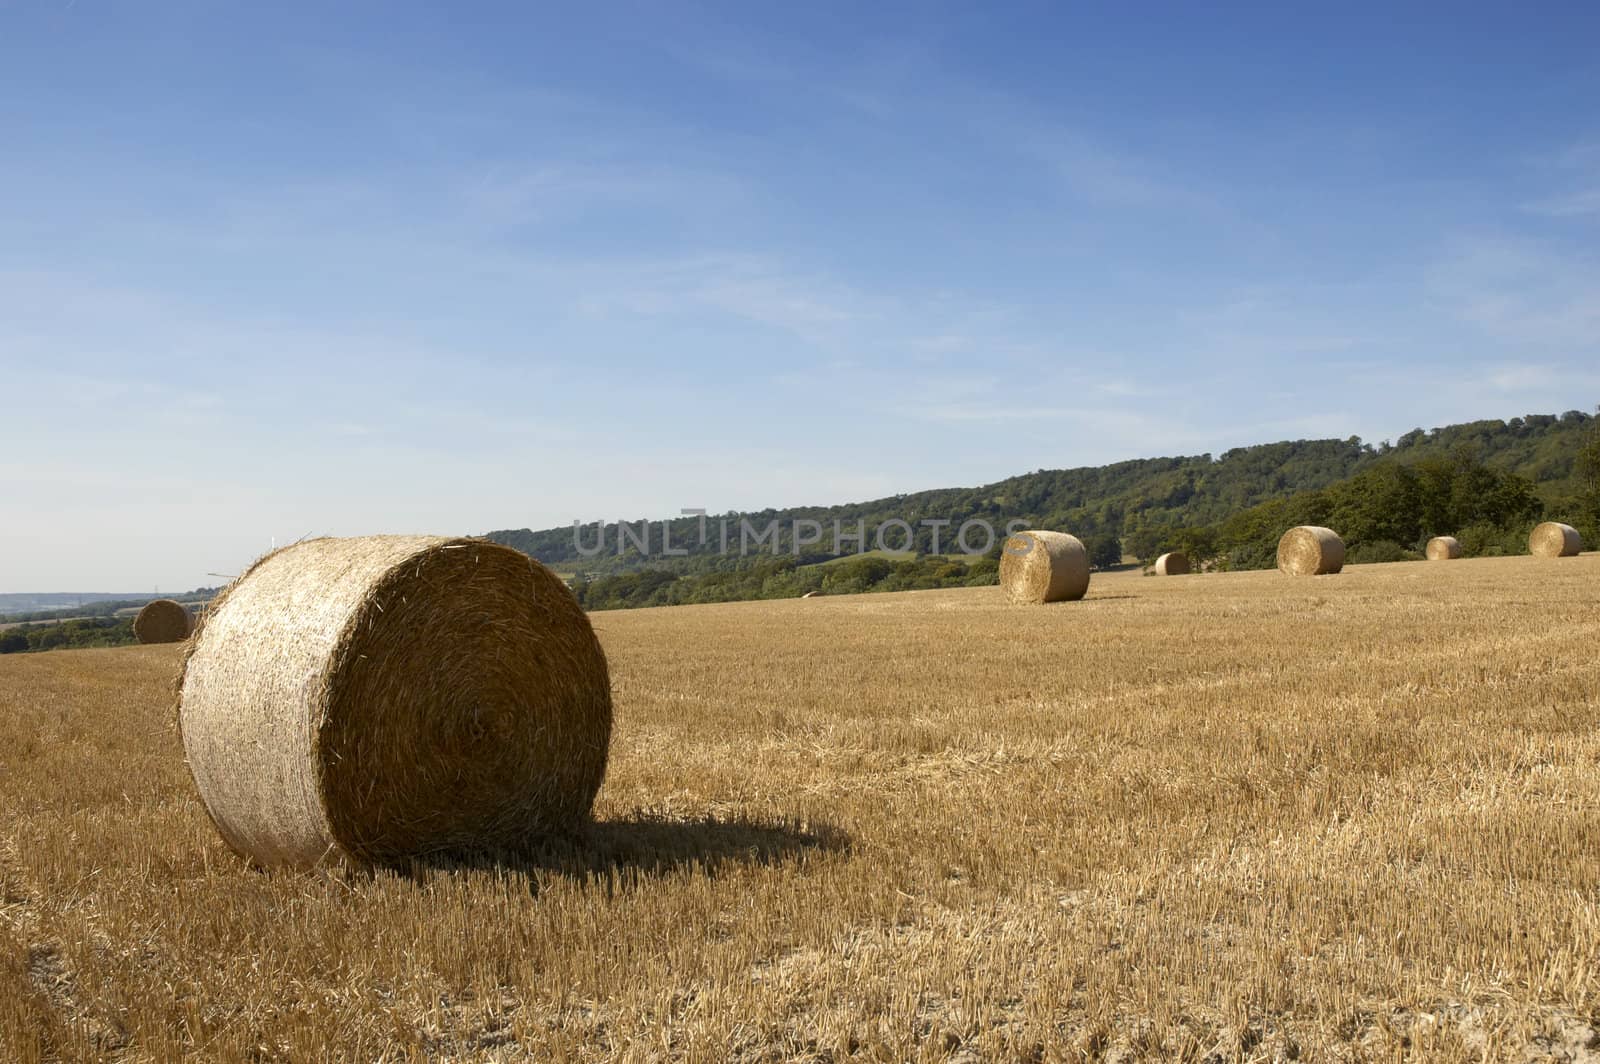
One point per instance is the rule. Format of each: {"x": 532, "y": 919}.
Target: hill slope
{"x": 1115, "y": 500}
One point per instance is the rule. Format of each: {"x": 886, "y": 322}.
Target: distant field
{"x": 58, "y": 620}
{"x": 1223, "y": 817}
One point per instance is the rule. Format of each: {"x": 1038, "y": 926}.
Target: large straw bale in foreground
{"x": 1310, "y": 550}
{"x": 1172, "y": 563}
{"x": 1443, "y": 548}
{"x": 1040, "y": 567}
{"x": 393, "y": 696}
{"x": 163, "y": 621}
{"x": 1552, "y": 539}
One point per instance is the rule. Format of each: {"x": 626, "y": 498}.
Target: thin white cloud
{"x": 1573, "y": 205}
{"x": 740, "y": 286}
{"x": 1570, "y": 175}
{"x": 1107, "y": 177}
{"x": 1515, "y": 377}
{"x": 1002, "y": 411}
{"x": 523, "y": 193}
{"x": 1521, "y": 291}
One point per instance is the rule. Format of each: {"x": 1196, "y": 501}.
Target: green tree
{"x": 1587, "y": 468}
{"x": 1197, "y": 543}
{"x": 1145, "y": 540}
{"x": 1380, "y": 504}
{"x": 1105, "y": 550}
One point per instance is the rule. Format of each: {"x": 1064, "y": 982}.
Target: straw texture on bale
{"x": 390, "y": 697}
{"x": 163, "y": 621}
{"x": 1038, "y": 567}
{"x": 1443, "y": 548}
{"x": 1172, "y": 563}
{"x": 1552, "y": 539}
{"x": 1310, "y": 550}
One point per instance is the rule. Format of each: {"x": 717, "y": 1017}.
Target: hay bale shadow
{"x": 628, "y": 850}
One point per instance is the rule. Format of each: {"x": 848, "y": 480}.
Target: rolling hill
{"x": 1118, "y": 500}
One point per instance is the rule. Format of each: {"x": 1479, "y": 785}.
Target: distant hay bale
{"x": 1172, "y": 563}
{"x": 1310, "y": 550}
{"x": 1038, "y": 567}
{"x": 1553, "y": 539}
{"x": 1443, "y": 548}
{"x": 163, "y": 621}
{"x": 390, "y": 697}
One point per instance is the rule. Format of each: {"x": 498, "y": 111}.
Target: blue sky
{"x": 272, "y": 270}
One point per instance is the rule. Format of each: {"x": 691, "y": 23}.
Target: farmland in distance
{"x": 1237, "y": 815}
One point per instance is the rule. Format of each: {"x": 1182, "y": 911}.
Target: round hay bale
{"x": 1443, "y": 548}
{"x": 1310, "y": 550}
{"x": 389, "y": 697}
{"x": 163, "y": 621}
{"x": 1040, "y": 567}
{"x": 1172, "y": 563}
{"x": 1552, "y": 539}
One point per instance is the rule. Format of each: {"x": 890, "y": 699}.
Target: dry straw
{"x": 1040, "y": 567}
{"x": 1443, "y": 548}
{"x": 1172, "y": 563}
{"x": 390, "y": 697}
{"x": 163, "y": 621}
{"x": 1310, "y": 550}
{"x": 1553, "y": 539}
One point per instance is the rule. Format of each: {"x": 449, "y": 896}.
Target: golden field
{"x": 1222, "y": 817}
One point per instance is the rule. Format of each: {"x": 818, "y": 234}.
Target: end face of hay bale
{"x": 1552, "y": 539}
{"x": 1172, "y": 563}
{"x": 1443, "y": 549}
{"x": 388, "y": 697}
{"x": 1310, "y": 550}
{"x": 163, "y": 621}
{"x": 1040, "y": 566}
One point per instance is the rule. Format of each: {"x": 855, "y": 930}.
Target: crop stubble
{"x": 1341, "y": 817}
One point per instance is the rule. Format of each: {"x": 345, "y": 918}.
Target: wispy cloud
{"x": 1580, "y": 153}
{"x": 1105, "y": 176}
{"x": 1000, "y": 411}
{"x": 1521, "y": 290}
{"x": 1521, "y": 377}
{"x": 522, "y": 193}
{"x": 745, "y": 287}
{"x": 877, "y": 79}
{"x": 1090, "y": 406}
{"x": 1570, "y": 176}
{"x": 1260, "y": 322}
{"x": 890, "y": 79}
{"x": 1573, "y": 205}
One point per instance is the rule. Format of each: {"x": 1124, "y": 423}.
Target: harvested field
{"x": 1234, "y": 815}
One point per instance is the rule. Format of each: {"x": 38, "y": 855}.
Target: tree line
{"x": 67, "y": 635}
{"x": 1428, "y": 484}
{"x": 1135, "y": 501}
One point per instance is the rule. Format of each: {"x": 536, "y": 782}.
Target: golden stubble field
{"x": 1229, "y": 817}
